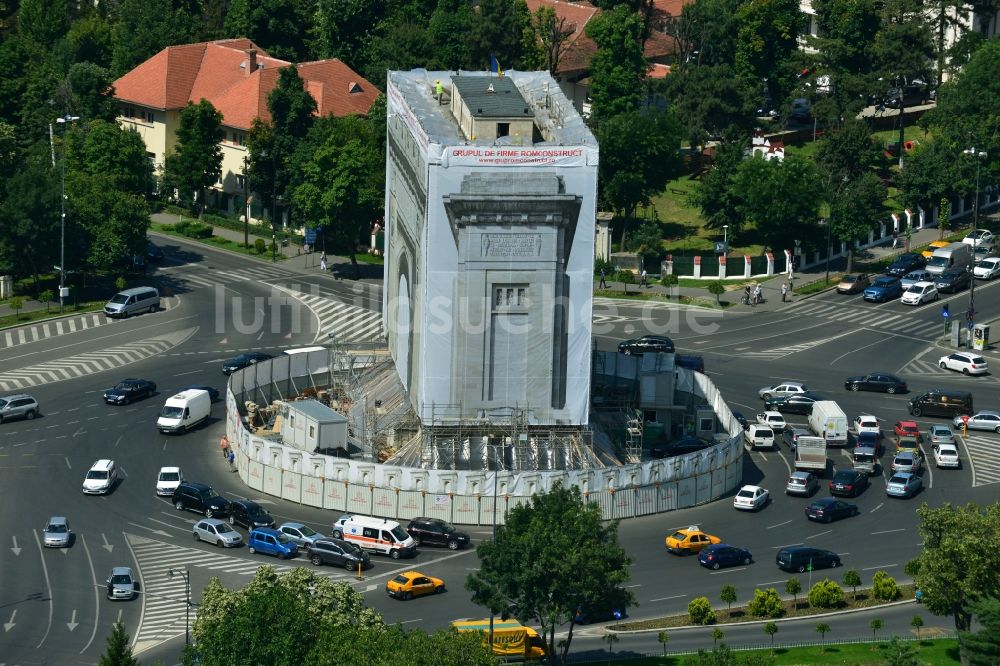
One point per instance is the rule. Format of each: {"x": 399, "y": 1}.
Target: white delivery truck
{"x": 184, "y": 411}
{"x": 829, "y": 421}
{"x": 810, "y": 454}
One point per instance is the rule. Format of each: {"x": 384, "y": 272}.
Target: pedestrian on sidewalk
{"x": 232, "y": 461}
{"x": 224, "y": 445}
{"x": 784, "y": 291}
{"x": 758, "y": 295}
{"x": 322, "y": 262}
{"x": 604, "y": 284}
{"x": 747, "y": 296}
{"x": 644, "y": 283}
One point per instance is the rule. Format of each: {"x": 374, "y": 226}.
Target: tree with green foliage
{"x": 903, "y": 45}
{"x": 551, "y": 35}
{"x": 930, "y": 175}
{"x": 647, "y": 241}
{"x": 884, "y": 587}
{"x": 46, "y": 297}
{"x": 917, "y": 622}
{"x": 850, "y": 151}
{"x": 663, "y": 638}
{"x": 196, "y": 161}
{"x": 780, "y": 197}
{"x": 500, "y": 28}
{"x": 952, "y": 571}
{"x": 717, "y": 288}
{"x": 700, "y": 611}
{"x": 89, "y": 40}
{"x": 717, "y": 635}
{"x": 670, "y": 281}
{"x": 852, "y": 579}
{"x": 343, "y": 28}
{"x": 29, "y": 208}
{"x": 982, "y": 648}
{"x": 450, "y": 29}
{"x": 898, "y": 652}
{"x": 383, "y": 647}
{"x": 728, "y": 595}
{"x": 618, "y": 69}
{"x": 711, "y": 103}
{"x": 771, "y": 628}
{"x": 765, "y": 603}
{"x": 626, "y": 277}
{"x": 43, "y": 22}
{"x": 575, "y": 561}
{"x": 398, "y": 42}
{"x": 278, "y": 26}
{"x": 88, "y": 86}
{"x": 823, "y": 629}
{"x": 142, "y": 28}
{"x": 826, "y": 594}
{"x": 875, "y": 624}
{"x": 856, "y": 208}
{"x": 16, "y": 304}
{"x": 118, "y": 652}
{"x": 104, "y": 149}
{"x": 610, "y": 639}
{"x": 793, "y": 587}
{"x": 717, "y": 196}
{"x": 768, "y": 37}
{"x": 639, "y": 156}
{"x": 707, "y": 32}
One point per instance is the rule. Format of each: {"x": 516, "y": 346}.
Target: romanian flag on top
{"x": 495, "y": 66}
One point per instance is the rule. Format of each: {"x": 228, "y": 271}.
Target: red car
{"x": 907, "y": 428}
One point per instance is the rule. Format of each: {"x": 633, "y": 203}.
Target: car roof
{"x": 169, "y": 469}
{"x": 16, "y": 396}
{"x": 57, "y": 520}
{"x": 118, "y": 571}
{"x": 866, "y": 416}
{"x": 906, "y": 454}
{"x": 212, "y": 521}
{"x": 750, "y": 487}
{"x": 903, "y": 474}
{"x": 923, "y": 284}
{"x": 800, "y": 475}
{"x": 293, "y": 525}
{"x": 987, "y": 411}
{"x": 266, "y": 530}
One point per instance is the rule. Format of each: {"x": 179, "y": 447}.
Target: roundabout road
{"x": 53, "y": 608}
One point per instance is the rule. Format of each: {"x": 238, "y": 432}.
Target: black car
{"x": 953, "y": 279}
{"x": 800, "y": 559}
{"x": 696, "y": 363}
{"x": 914, "y": 93}
{"x": 591, "y": 614}
{"x": 154, "y": 253}
{"x": 243, "y": 361}
{"x": 741, "y": 419}
{"x": 791, "y": 436}
{"x": 723, "y": 555}
{"x": 797, "y": 403}
{"x": 848, "y": 483}
{"x": 249, "y": 514}
{"x": 687, "y": 444}
{"x": 828, "y": 509}
{"x": 436, "y": 532}
{"x": 199, "y": 498}
{"x": 906, "y": 263}
{"x": 647, "y": 343}
{"x": 213, "y": 393}
{"x": 128, "y": 390}
{"x": 338, "y": 553}
{"x": 876, "y": 381}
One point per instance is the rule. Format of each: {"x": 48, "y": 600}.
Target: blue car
{"x": 270, "y": 541}
{"x": 883, "y": 289}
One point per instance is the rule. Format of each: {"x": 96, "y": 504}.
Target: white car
{"x": 751, "y": 498}
{"x": 987, "y": 269}
{"x": 979, "y": 237}
{"x": 946, "y": 455}
{"x": 964, "y": 362}
{"x": 167, "y": 481}
{"x": 867, "y": 423}
{"x": 788, "y": 388}
{"x": 920, "y": 293}
{"x": 773, "y": 419}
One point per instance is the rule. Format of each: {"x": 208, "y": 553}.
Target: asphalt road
{"x": 52, "y": 606}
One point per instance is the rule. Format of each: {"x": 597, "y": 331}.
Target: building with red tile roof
{"x": 236, "y": 76}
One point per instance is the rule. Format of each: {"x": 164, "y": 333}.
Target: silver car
{"x": 56, "y": 533}
{"x": 903, "y": 484}
{"x": 939, "y": 434}
{"x": 218, "y": 532}
{"x": 121, "y": 584}
{"x": 787, "y": 388}
{"x": 20, "y": 406}
{"x": 801, "y": 483}
{"x": 980, "y": 421}
{"x": 302, "y": 535}
{"x": 914, "y": 277}
{"x": 906, "y": 461}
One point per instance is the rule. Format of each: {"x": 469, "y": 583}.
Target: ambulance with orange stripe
{"x": 377, "y": 535}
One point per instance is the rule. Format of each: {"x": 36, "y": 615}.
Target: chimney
{"x": 251, "y": 61}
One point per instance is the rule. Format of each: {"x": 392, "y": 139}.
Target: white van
{"x": 184, "y": 411}
{"x": 100, "y": 478}
{"x": 378, "y": 535}
{"x": 133, "y": 301}
{"x": 759, "y": 437}
{"x": 954, "y": 254}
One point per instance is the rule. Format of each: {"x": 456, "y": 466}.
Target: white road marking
{"x": 901, "y": 529}
{"x": 778, "y": 525}
{"x": 676, "y": 596}
{"x": 813, "y": 536}
{"x": 881, "y": 566}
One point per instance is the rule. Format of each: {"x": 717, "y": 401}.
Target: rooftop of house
{"x": 236, "y": 75}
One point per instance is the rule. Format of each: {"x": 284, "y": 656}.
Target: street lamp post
{"x": 825, "y": 222}
{"x": 725, "y": 239}
{"x": 64, "y": 121}
{"x": 979, "y": 155}
{"x": 187, "y": 600}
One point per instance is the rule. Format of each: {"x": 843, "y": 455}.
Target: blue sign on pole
{"x": 311, "y": 235}
{"x": 944, "y": 311}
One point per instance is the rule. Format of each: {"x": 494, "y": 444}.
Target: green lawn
{"x": 217, "y": 241}
{"x": 8, "y": 321}
{"x": 940, "y": 652}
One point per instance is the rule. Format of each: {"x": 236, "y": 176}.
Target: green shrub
{"x": 182, "y": 227}
{"x": 198, "y": 230}
{"x": 826, "y": 594}
{"x": 765, "y": 603}
{"x": 884, "y": 587}
{"x": 700, "y": 611}
{"x": 260, "y": 246}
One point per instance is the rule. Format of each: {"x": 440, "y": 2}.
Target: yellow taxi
{"x": 933, "y": 245}
{"x": 690, "y": 540}
{"x": 411, "y": 584}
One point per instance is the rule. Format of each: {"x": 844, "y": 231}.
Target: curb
{"x": 47, "y": 320}
{"x": 638, "y": 301}
{"x": 848, "y": 611}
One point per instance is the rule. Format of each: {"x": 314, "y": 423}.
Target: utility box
{"x": 980, "y": 337}
{"x": 310, "y": 425}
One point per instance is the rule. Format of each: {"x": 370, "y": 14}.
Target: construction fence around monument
{"x": 465, "y": 497}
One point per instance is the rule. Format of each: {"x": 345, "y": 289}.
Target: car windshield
{"x": 399, "y": 534}
{"x": 401, "y": 579}
{"x": 56, "y": 528}
{"x": 119, "y": 299}
{"x": 307, "y": 531}
{"x": 283, "y": 538}
{"x": 222, "y": 528}
{"x": 863, "y": 456}
{"x": 3, "y": 403}
{"x": 915, "y": 289}
{"x": 97, "y": 474}
{"x": 171, "y": 412}
{"x": 121, "y": 579}
{"x": 170, "y": 476}
{"x": 937, "y": 261}
{"x": 850, "y": 278}
{"x": 898, "y": 479}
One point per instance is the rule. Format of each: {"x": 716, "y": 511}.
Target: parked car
{"x": 984, "y": 420}
{"x": 121, "y": 584}
{"x": 247, "y": 513}
{"x": 723, "y": 555}
{"x": 987, "y": 269}
{"x": 883, "y": 288}
{"x": 876, "y": 381}
{"x": 199, "y": 498}
{"x": 411, "y": 584}
{"x": 270, "y": 541}
{"x": 153, "y": 253}
{"x": 20, "y": 406}
{"x": 905, "y": 263}
{"x": 799, "y": 559}
{"x": 799, "y": 403}
{"x": 436, "y": 532}
{"x": 852, "y": 283}
{"x": 243, "y": 361}
{"x": 218, "y": 532}
{"x": 953, "y": 279}
{"x": 338, "y": 553}
{"x": 686, "y": 444}
{"x": 788, "y": 388}
{"x": 916, "y": 276}
{"x": 848, "y": 483}
{"x": 647, "y": 344}
{"x": 751, "y": 498}
{"x": 128, "y": 390}
{"x": 920, "y": 293}
{"x": 978, "y": 237}
{"x": 302, "y": 535}
{"x": 802, "y": 483}
{"x": 828, "y": 509}
{"x": 914, "y": 93}
{"x": 903, "y": 484}
{"x": 968, "y": 363}
{"x": 56, "y": 533}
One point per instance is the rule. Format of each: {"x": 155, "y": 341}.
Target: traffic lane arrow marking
{"x": 15, "y": 549}
{"x": 7, "y": 626}
{"x": 107, "y": 546}
{"x": 72, "y": 624}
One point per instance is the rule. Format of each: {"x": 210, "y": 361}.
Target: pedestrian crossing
{"x": 91, "y": 362}
{"x": 781, "y": 352}
{"x": 876, "y": 319}
{"x": 981, "y": 454}
{"x": 164, "y": 597}
{"x": 339, "y": 321}
{"x": 206, "y": 277}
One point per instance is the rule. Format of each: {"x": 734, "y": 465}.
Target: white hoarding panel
{"x": 704, "y": 488}
{"x": 359, "y": 500}
{"x": 384, "y": 503}
{"x": 255, "y": 475}
{"x": 291, "y": 486}
{"x": 686, "y": 493}
{"x": 466, "y": 510}
{"x": 411, "y": 504}
{"x": 646, "y": 500}
{"x": 312, "y": 491}
{"x": 272, "y": 481}
{"x": 334, "y": 495}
